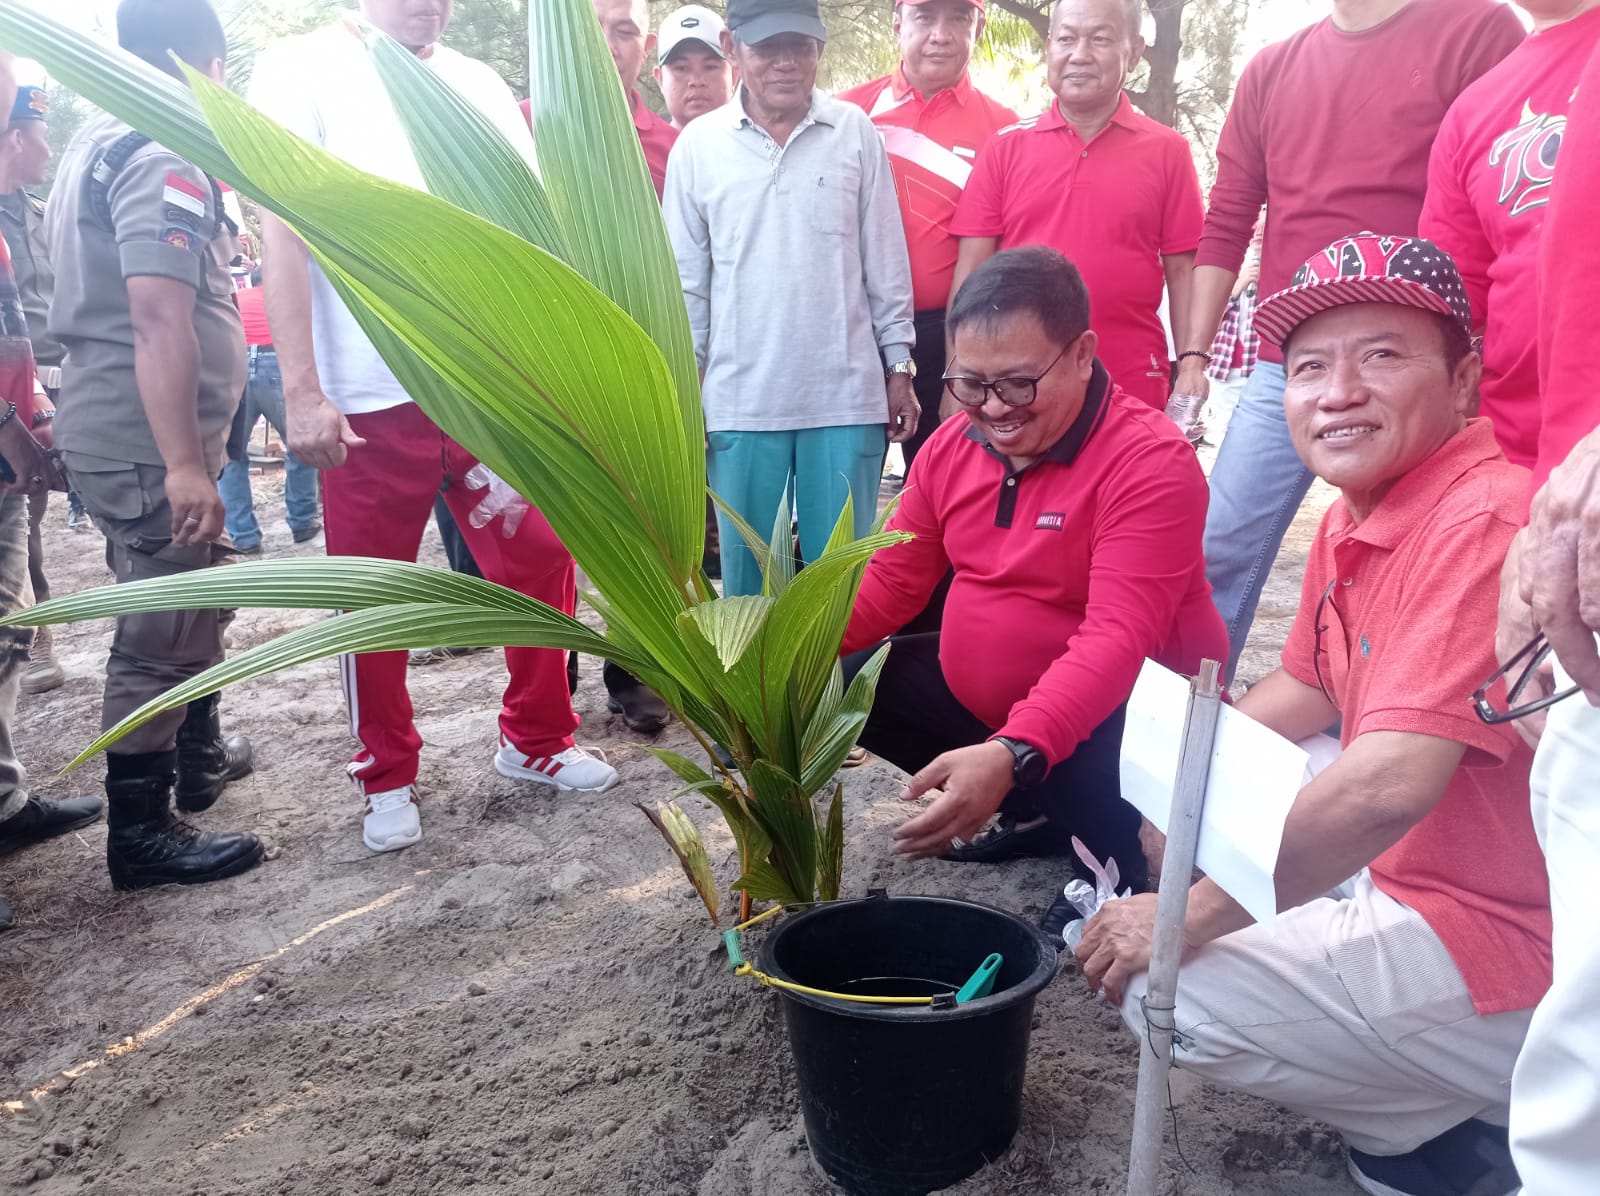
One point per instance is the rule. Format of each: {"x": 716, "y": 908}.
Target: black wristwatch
{"x": 1028, "y": 765}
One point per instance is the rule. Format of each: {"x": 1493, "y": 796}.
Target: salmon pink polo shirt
{"x": 1488, "y": 192}
{"x": 1410, "y": 624}
{"x": 932, "y": 143}
{"x": 655, "y": 136}
{"x": 1067, "y": 573}
{"x": 1113, "y": 206}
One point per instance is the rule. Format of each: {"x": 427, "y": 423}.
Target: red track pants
{"x": 377, "y": 504}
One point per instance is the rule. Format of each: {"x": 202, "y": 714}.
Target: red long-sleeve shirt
{"x": 1331, "y": 130}
{"x": 1067, "y": 574}
{"x": 1488, "y": 187}
{"x": 1569, "y": 264}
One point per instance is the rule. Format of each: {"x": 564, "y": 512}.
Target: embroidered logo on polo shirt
{"x": 1050, "y": 521}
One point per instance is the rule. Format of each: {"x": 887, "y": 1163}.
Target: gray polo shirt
{"x": 22, "y": 223}
{"x": 794, "y": 267}
{"x": 161, "y": 220}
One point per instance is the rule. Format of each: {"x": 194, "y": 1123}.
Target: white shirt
{"x": 794, "y": 267}
{"x": 324, "y": 87}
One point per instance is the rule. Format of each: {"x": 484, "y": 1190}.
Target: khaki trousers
{"x": 1348, "y": 1010}
{"x": 155, "y": 650}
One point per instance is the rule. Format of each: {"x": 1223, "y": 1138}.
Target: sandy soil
{"x": 529, "y": 1001}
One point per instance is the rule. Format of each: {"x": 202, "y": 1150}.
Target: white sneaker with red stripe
{"x": 392, "y": 820}
{"x": 571, "y": 769}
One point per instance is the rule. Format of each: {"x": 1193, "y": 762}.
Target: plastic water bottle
{"x": 1184, "y": 410}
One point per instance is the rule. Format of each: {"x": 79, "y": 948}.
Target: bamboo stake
{"x": 1183, "y": 840}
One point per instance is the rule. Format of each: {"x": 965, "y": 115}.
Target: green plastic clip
{"x": 730, "y": 940}
{"x": 981, "y": 982}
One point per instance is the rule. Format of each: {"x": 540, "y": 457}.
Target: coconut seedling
{"x": 537, "y": 319}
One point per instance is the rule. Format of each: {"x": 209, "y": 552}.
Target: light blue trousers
{"x": 1257, "y": 485}
{"x": 820, "y": 466}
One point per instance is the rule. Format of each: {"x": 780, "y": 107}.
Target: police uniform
{"x": 123, "y": 208}
{"x": 22, "y": 225}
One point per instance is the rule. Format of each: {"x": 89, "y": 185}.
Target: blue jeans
{"x": 263, "y": 395}
{"x": 1257, "y": 486}
{"x": 817, "y": 466}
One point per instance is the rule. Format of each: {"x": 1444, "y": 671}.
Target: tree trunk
{"x": 1159, "y": 99}
{"x": 1037, "y": 17}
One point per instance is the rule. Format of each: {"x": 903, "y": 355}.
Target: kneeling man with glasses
{"x": 1068, "y": 516}
{"x": 1393, "y": 993}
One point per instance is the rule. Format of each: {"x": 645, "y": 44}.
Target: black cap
{"x": 756, "y": 20}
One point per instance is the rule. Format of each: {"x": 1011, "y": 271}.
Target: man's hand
{"x": 37, "y": 470}
{"x": 318, "y": 432}
{"x": 1560, "y": 565}
{"x": 904, "y": 410}
{"x": 1192, "y": 379}
{"x": 1116, "y": 943}
{"x": 1513, "y": 632}
{"x": 196, "y": 507}
{"x": 975, "y": 780}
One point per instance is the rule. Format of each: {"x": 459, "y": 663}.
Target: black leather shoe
{"x": 1010, "y": 838}
{"x": 641, "y": 708}
{"x": 1057, "y": 915}
{"x": 41, "y": 819}
{"x": 207, "y": 761}
{"x": 146, "y": 845}
{"x": 169, "y": 852}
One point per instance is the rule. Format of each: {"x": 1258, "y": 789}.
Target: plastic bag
{"x": 1086, "y": 898}
{"x": 498, "y": 499}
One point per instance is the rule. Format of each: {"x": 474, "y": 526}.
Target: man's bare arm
{"x": 1179, "y": 271}
{"x": 318, "y": 434}
{"x": 971, "y": 253}
{"x": 1210, "y": 289}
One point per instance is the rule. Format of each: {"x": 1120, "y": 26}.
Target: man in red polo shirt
{"x": 1394, "y": 990}
{"x": 1113, "y": 190}
{"x": 1330, "y": 129}
{"x": 626, "y": 24}
{"x": 1488, "y": 189}
{"x": 933, "y": 122}
{"x": 1070, "y": 515}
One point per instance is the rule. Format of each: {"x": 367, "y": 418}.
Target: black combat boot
{"x": 146, "y": 845}
{"x": 207, "y": 761}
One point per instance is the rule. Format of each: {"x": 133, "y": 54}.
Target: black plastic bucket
{"x": 903, "y": 1100}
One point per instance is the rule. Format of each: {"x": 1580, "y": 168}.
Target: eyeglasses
{"x": 1013, "y": 392}
{"x": 1536, "y": 651}
{"x": 1320, "y": 626}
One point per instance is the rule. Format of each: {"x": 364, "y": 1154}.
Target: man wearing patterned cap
{"x": 24, "y": 161}
{"x": 1393, "y": 993}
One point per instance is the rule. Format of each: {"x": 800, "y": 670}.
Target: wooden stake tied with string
{"x": 1166, "y": 948}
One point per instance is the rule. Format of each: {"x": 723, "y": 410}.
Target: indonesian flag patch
{"x": 181, "y": 193}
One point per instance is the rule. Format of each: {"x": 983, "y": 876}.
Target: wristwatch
{"x": 1028, "y": 765}
{"x": 906, "y": 367}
